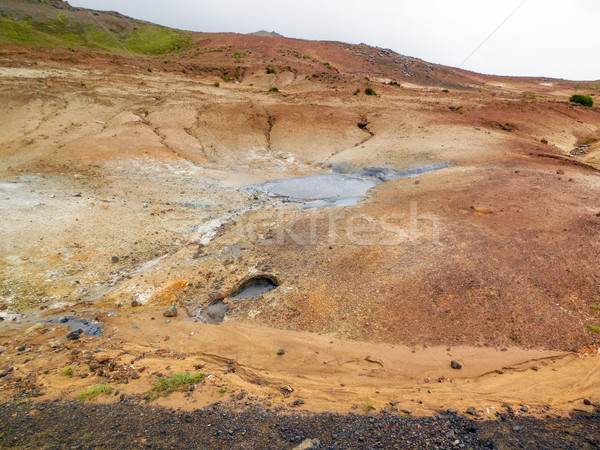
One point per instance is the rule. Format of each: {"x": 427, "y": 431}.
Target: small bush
{"x": 589, "y": 141}
{"x": 445, "y": 91}
{"x": 67, "y": 371}
{"x": 270, "y": 70}
{"x": 274, "y": 89}
{"x": 595, "y": 307}
{"x": 168, "y": 385}
{"x": 357, "y": 91}
{"x": 217, "y": 84}
{"x": 370, "y": 91}
{"x": 222, "y": 390}
{"x": 584, "y": 100}
{"x": 149, "y": 70}
{"x": 91, "y": 394}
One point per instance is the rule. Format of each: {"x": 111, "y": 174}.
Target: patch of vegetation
{"x": 394, "y": 83}
{"x": 217, "y": 84}
{"x": 270, "y": 70}
{"x": 589, "y": 141}
{"x": 537, "y": 96}
{"x": 445, "y": 91}
{"x": 239, "y": 56}
{"x": 595, "y": 307}
{"x": 582, "y": 99}
{"x": 368, "y": 405}
{"x": 65, "y": 33}
{"x": 178, "y": 382}
{"x": 370, "y": 91}
{"x": 94, "y": 392}
{"x": 67, "y": 372}
{"x": 356, "y": 92}
{"x": 222, "y": 390}
{"x": 593, "y": 328}
{"x": 274, "y": 89}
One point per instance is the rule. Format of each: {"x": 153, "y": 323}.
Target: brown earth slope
{"x": 121, "y": 180}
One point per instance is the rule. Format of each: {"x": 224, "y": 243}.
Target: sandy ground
{"x": 118, "y": 184}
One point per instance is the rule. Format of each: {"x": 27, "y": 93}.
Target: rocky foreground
{"x": 129, "y": 425}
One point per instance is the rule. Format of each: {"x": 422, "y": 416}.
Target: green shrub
{"x": 370, "y": 91}
{"x": 270, "y": 70}
{"x": 168, "y": 385}
{"x": 91, "y": 394}
{"x": 217, "y": 84}
{"x": 584, "y": 100}
{"x": 445, "y": 91}
{"x": 356, "y": 92}
{"x": 274, "y": 89}
{"x": 593, "y": 328}
{"x": 67, "y": 371}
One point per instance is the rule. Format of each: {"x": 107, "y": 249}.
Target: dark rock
{"x": 22, "y": 348}
{"x": 135, "y": 303}
{"x": 171, "y": 312}
{"x": 134, "y": 375}
{"x": 472, "y": 411}
{"x": 508, "y": 407}
{"x": 281, "y": 352}
{"x": 587, "y": 402}
{"x": 525, "y": 408}
{"x": 74, "y": 335}
{"x": 115, "y": 259}
{"x": 456, "y": 365}
{"x": 560, "y": 172}
{"x": 298, "y": 402}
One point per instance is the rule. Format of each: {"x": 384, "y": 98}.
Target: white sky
{"x": 552, "y": 38}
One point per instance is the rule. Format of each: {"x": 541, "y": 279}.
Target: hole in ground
{"x": 214, "y": 313}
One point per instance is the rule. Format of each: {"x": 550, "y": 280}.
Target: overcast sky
{"x": 552, "y": 38}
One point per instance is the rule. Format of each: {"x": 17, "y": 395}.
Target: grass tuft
{"x": 370, "y": 91}
{"x": 67, "y": 371}
{"x": 178, "y": 382}
{"x": 368, "y": 405}
{"x": 93, "y": 393}
{"x": 593, "y": 328}
{"x": 274, "y": 89}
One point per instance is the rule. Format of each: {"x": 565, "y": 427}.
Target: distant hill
{"x": 266, "y": 33}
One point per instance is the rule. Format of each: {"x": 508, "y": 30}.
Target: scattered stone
{"x": 525, "y": 408}
{"x": 471, "y": 411}
{"x": 115, "y": 259}
{"x": 408, "y": 412}
{"x": 135, "y": 303}
{"x": 298, "y": 402}
{"x": 21, "y": 348}
{"x": 286, "y": 390}
{"x": 308, "y": 444}
{"x": 560, "y": 172}
{"x": 74, "y": 335}
{"x": 2, "y": 349}
{"x": 281, "y": 352}
{"x": 544, "y": 141}
{"x": 587, "y": 402}
{"x": 456, "y": 365}
{"x": 508, "y": 407}
{"x": 3, "y": 307}
{"x": 134, "y": 375}
{"x": 517, "y": 428}
{"x": 171, "y": 312}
